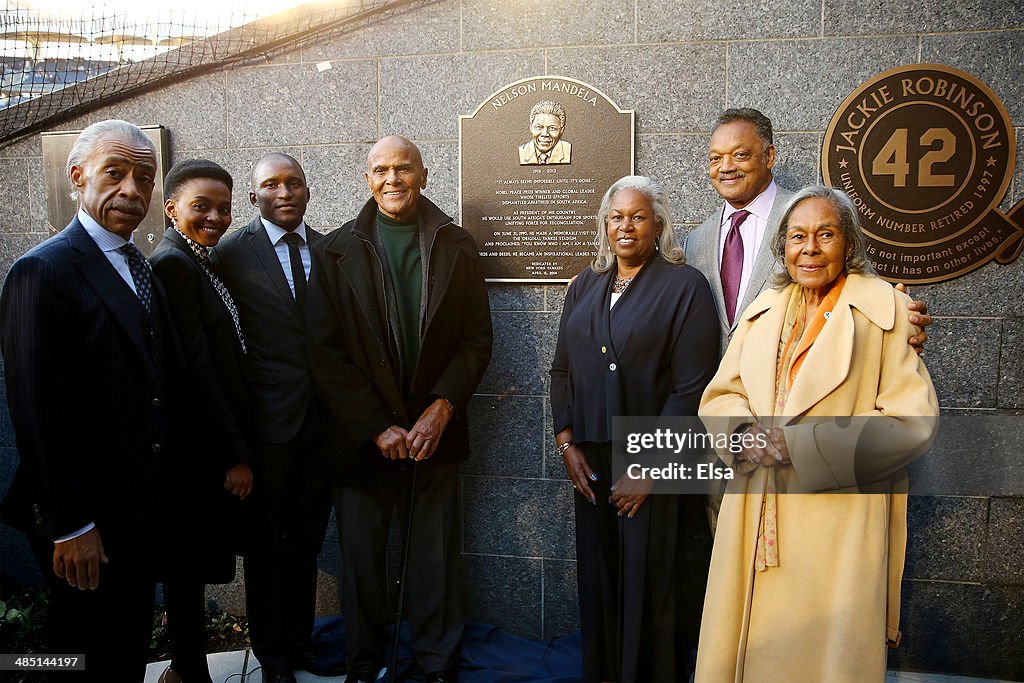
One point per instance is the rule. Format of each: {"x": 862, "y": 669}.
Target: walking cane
{"x": 402, "y": 570}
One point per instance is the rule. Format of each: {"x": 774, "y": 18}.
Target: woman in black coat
{"x": 638, "y": 337}
{"x": 214, "y": 476}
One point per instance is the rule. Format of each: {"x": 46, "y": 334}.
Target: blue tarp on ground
{"x": 488, "y": 654}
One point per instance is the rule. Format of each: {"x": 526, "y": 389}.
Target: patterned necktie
{"x": 544, "y": 158}
{"x": 141, "y": 275}
{"x": 732, "y": 264}
{"x": 298, "y": 270}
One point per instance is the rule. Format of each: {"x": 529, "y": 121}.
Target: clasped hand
{"x": 420, "y": 442}
{"x": 774, "y": 451}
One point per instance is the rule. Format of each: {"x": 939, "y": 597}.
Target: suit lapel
{"x": 760, "y": 358}
{"x": 706, "y": 248}
{"x": 112, "y": 290}
{"x": 265, "y": 253}
{"x": 827, "y": 362}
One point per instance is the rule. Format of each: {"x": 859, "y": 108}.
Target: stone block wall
{"x": 678, "y": 63}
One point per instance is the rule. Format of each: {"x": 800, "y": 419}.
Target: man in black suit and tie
{"x": 88, "y": 352}
{"x": 266, "y": 266}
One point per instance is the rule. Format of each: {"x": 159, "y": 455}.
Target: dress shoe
{"x": 446, "y": 676}
{"x": 306, "y": 661}
{"x": 169, "y": 676}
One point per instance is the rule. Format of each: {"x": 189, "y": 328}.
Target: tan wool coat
{"x": 826, "y": 612}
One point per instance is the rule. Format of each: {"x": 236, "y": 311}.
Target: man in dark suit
{"x": 266, "y": 266}
{"x": 88, "y": 352}
{"x": 732, "y": 246}
{"x": 401, "y": 333}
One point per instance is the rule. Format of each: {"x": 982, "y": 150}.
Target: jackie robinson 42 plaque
{"x": 926, "y": 152}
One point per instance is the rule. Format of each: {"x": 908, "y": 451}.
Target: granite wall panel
{"x": 675, "y": 88}
{"x": 672, "y": 20}
{"x": 847, "y": 17}
{"x": 490, "y": 25}
{"x": 447, "y": 86}
{"x": 819, "y": 74}
{"x": 296, "y": 104}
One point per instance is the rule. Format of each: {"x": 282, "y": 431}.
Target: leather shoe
{"x": 169, "y": 676}
{"x": 446, "y": 676}
{"x": 306, "y": 661}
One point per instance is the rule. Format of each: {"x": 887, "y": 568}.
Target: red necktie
{"x": 732, "y": 264}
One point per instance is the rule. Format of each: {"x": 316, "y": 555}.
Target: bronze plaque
{"x": 535, "y": 158}
{"x": 60, "y": 208}
{"x": 926, "y": 152}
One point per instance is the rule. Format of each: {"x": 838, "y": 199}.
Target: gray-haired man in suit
{"x": 90, "y": 356}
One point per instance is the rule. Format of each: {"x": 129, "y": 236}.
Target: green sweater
{"x": 401, "y": 242}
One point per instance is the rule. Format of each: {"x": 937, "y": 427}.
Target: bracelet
{"x": 563, "y": 447}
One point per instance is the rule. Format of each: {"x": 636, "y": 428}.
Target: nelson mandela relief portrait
{"x": 547, "y": 123}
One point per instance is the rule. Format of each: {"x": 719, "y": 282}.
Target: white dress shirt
{"x": 109, "y": 243}
{"x": 276, "y": 233}
{"x": 751, "y": 230}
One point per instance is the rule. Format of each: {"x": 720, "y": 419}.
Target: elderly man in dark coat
{"x": 401, "y": 333}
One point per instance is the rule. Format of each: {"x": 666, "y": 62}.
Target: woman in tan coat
{"x": 806, "y": 567}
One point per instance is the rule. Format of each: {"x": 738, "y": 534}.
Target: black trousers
{"x": 432, "y": 599}
{"x": 185, "y": 601}
{"x": 111, "y": 625}
{"x": 628, "y": 582}
{"x": 289, "y": 510}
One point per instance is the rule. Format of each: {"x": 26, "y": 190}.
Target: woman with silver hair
{"x": 638, "y": 337}
{"x": 806, "y": 586}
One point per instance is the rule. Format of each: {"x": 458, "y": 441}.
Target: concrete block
{"x": 670, "y": 20}
{"x": 337, "y": 186}
{"x": 818, "y": 75}
{"x": 442, "y": 161}
{"x": 962, "y": 629}
{"x": 506, "y": 436}
{"x": 561, "y": 604}
{"x": 419, "y": 27}
{"x": 490, "y": 25}
{"x": 294, "y": 104}
{"x": 422, "y": 97}
{"x": 192, "y": 110}
{"x": 960, "y": 384}
{"x": 1004, "y": 553}
{"x": 945, "y": 537}
{"x": 685, "y": 95}
{"x": 516, "y": 297}
{"x": 992, "y": 58}
{"x": 524, "y": 344}
{"x": 504, "y": 592}
{"x": 992, "y": 290}
{"x": 797, "y": 158}
{"x": 17, "y": 214}
{"x": 519, "y": 517}
{"x": 1011, "y": 365}
{"x": 843, "y": 17}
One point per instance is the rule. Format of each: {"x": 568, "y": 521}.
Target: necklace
{"x": 620, "y": 284}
